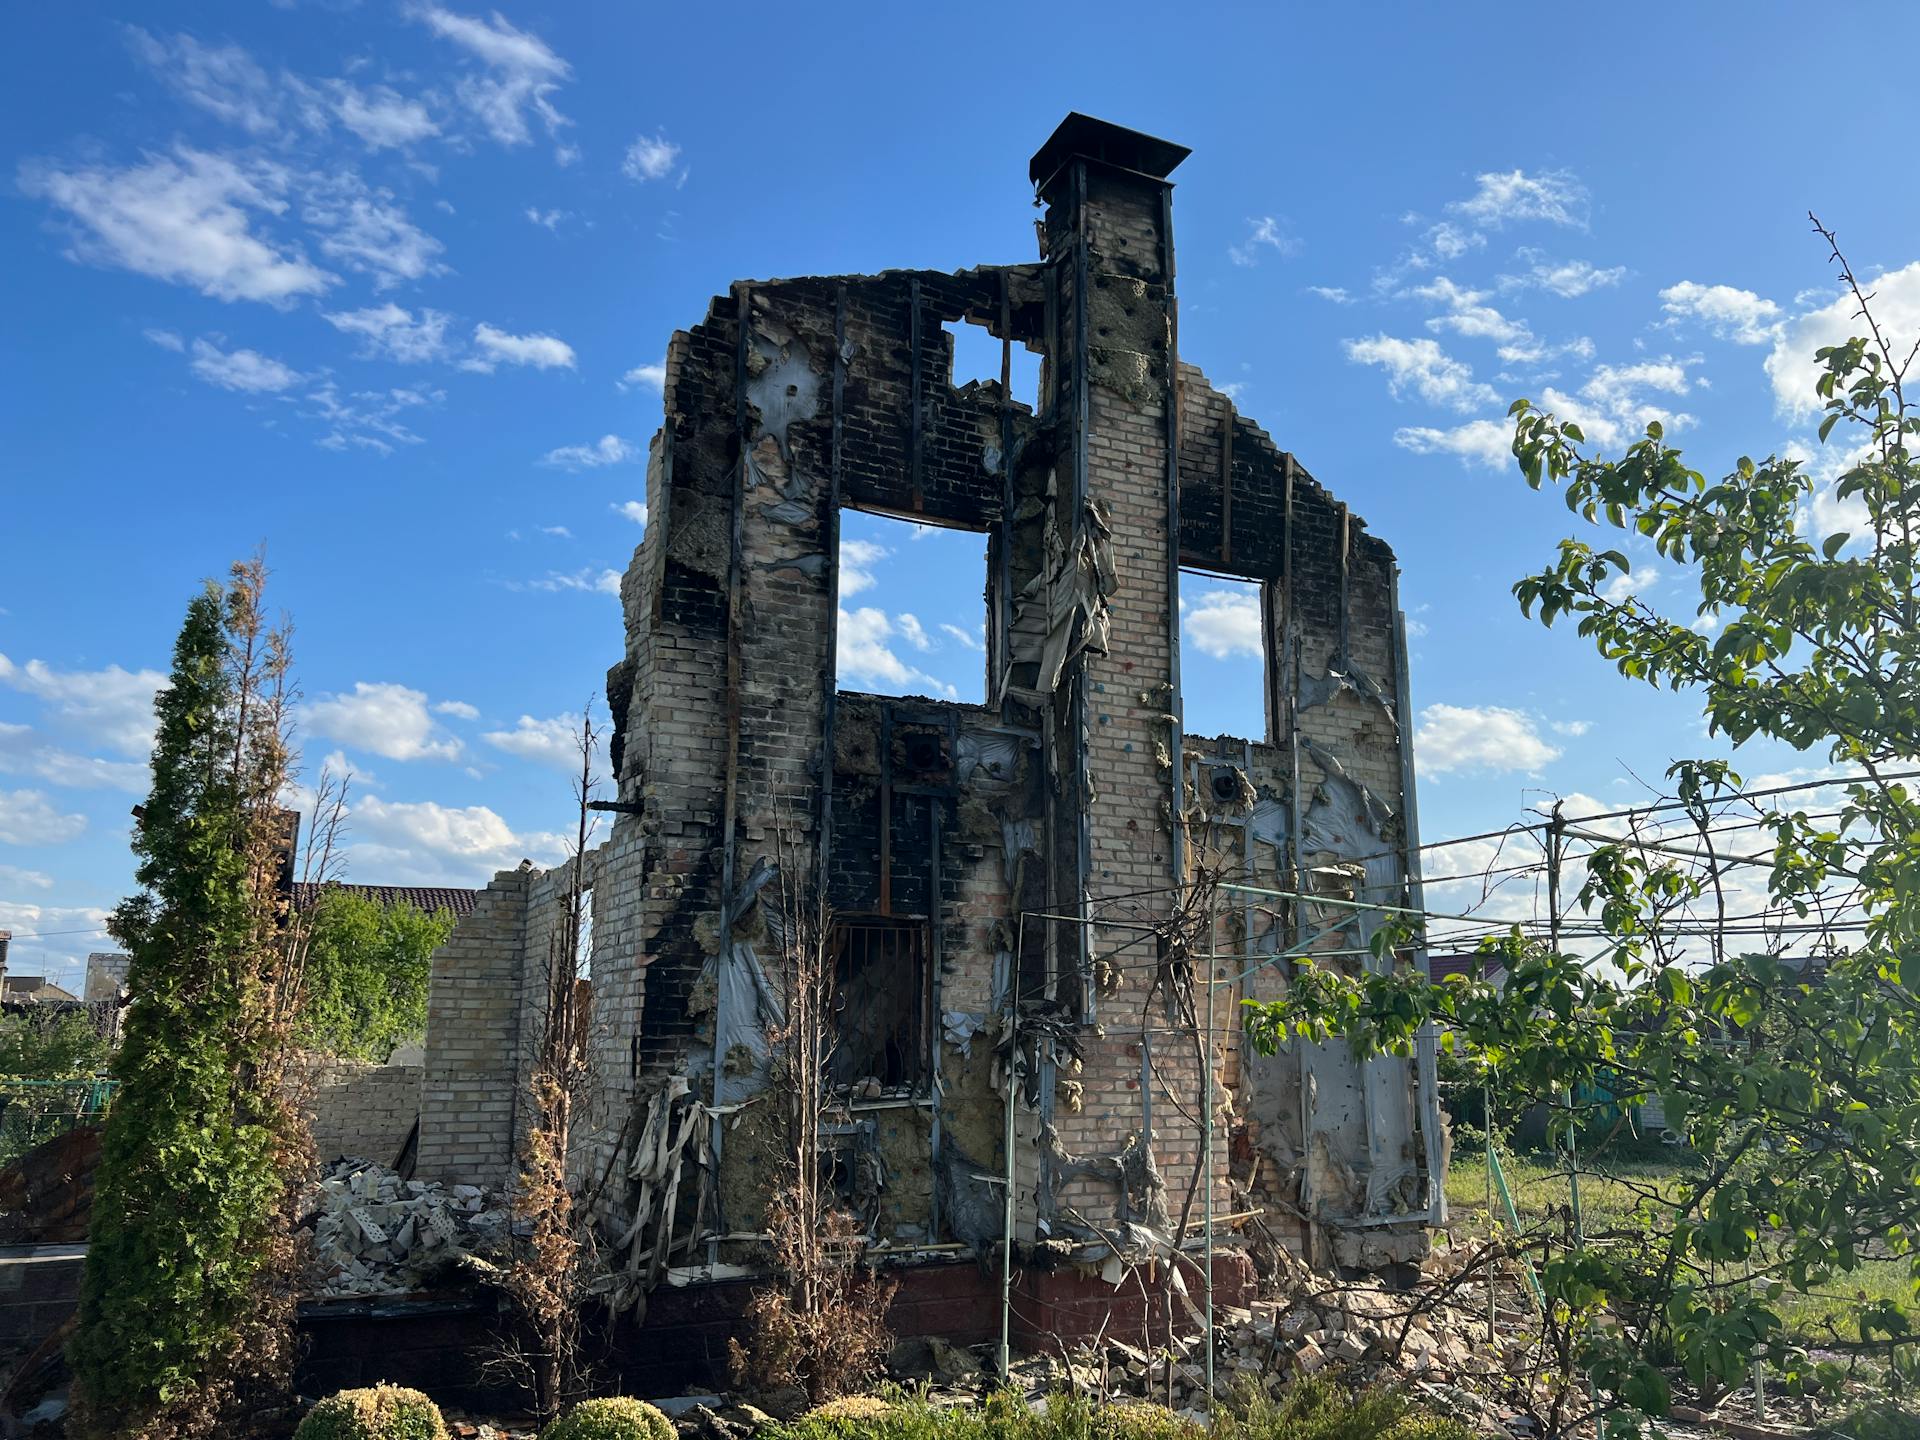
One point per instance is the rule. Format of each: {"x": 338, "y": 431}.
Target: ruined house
{"x": 1000, "y": 876}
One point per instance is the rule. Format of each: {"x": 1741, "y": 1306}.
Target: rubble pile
{"x": 1432, "y": 1339}
{"x": 375, "y": 1233}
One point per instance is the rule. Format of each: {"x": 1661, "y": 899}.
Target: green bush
{"x": 615, "y": 1419}
{"x": 384, "y": 1412}
{"x": 1322, "y": 1409}
{"x": 1141, "y": 1420}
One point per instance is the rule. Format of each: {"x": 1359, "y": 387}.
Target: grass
{"x": 1610, "y": 1199}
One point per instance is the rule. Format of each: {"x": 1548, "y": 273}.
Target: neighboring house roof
{"x": 1441, "y": 966}
{"x": 422, "y": 897}
{"x": 37, "y": 988}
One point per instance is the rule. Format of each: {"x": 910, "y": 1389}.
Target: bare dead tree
{"x": 822, "y": 1324}
{"x": 550, "y": 1277}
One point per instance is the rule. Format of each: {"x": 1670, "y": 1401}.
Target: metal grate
{"x": 882, "y": 1004}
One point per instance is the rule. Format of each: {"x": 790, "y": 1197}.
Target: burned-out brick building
{"x": 1001, "y": 877}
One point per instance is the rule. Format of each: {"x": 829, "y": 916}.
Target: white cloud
{"x": 547, "y": 219}
{"x": 110, "y": 705}
{"x": 865, "y": 658}
{"x": 646, "y": 377}
{"x": 1487, "y": 443}
{"x": 1450, "y": 241}
{"x": 391, "y": 333}
{"x": 382, "y": 118}
{"x": 459, "y": 709}
{"x": 634, "y": 510}
{"x": 913, "y": 631}
{"x": 27, "y": 817}
{"x": 1629, "y": 584}
{"x": 857, "y": 559}
{"x": 1791, "y": 366}
{"x": 594, "y": 582}
{"x": 650, "y": 157}
{"x": 607, "y": 450}
{"x": 368, "y": 419}
{"x": 388, "y": 720}
{"x": 166, "y": 340}
{"x": 497, "y": 347}
{"x": 1265, "y": 232}
{"x": 1422, "y": 366}
{"x": 1468, "y": 313}
{"x": 363, "y": 229}
{"x": 1732, "y": 314}
{"x": 27, "y": 879}
{"x": 1575, "y": 728}
{"x": 558, "y": 532}
{"x": 22, "y": 752}
{"x": 423, "y": 842}
{"x": 1610, "y": 408}
{"x": 522, "y": 73}
{"x": 1568, "y": 279}
{"x": 1223, "y": 623}
{"x": 245, "y": 370}
{"x": 1335, "y": 293}
{"x": 223, "y": 80}
{"x": 554, "y": 742}
{"x": 1503, "y": 197}
{"x": 185, "y": 218}
{"x": 69, "y": 932}
{"x": 970, "y": 642}
{"x": 1486, "y": 738}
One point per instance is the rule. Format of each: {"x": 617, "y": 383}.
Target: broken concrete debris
{"x": 375, "y": 1233}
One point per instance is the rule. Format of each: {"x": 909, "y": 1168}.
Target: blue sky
{"x": 385, "y": 286}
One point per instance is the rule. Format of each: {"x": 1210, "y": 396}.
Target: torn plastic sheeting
{"x": 960, "y": 1026}
{"x": 996, "y": 757}
{"x": 1062, "y": 612}
{"x": 1343, "y": 809}
{"x": 748, "y": 1006}
{"x": 1319, "y": 689}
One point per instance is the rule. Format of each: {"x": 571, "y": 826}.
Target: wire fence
{"x": 33, "y": 1112}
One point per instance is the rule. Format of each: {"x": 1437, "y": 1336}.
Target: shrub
{"x": 1140, "y": 1420}
{"x": 1323, "y": 1409}
{"x": 620, "y": 1418}
{"x": 853, "y": 1411}
{"x": 384, "y": 1412}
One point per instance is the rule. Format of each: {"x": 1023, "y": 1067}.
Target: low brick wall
{"x": 357, "y": 1108}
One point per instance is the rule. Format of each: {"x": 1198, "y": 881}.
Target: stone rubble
{"x": 377, "y": 1234}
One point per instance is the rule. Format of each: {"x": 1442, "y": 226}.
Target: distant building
{"x": 106, "y": 976}
{"x": 34, "y": 990}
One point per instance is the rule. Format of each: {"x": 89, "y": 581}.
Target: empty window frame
{"x": 913, "y": 609}
{"x": 977, "y": 356}
{"x": 882, "y": 1004}
{"x": 1225, "y": 652}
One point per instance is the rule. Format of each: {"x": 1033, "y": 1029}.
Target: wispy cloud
{"x": 187, "y": 217}
{"x": 1265, "y": 233}
{"x": 650, "y": 157}
{"x": 494, "y": 347}
{"x": 1508, "y": 197}
{"x": 1422, "y": 367}
{"x": 517, "y": 74}
{"x": 244, "y": 370}
{"x": 389, "y": 332}
{"x": 607, "y": 450}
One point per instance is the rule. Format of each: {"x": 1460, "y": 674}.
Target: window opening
{"x": 913, "y": 609}
{"x": 882, "y": 1000}
{"x": 976, "y": 356}
{"x": 1224, "y": 655}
